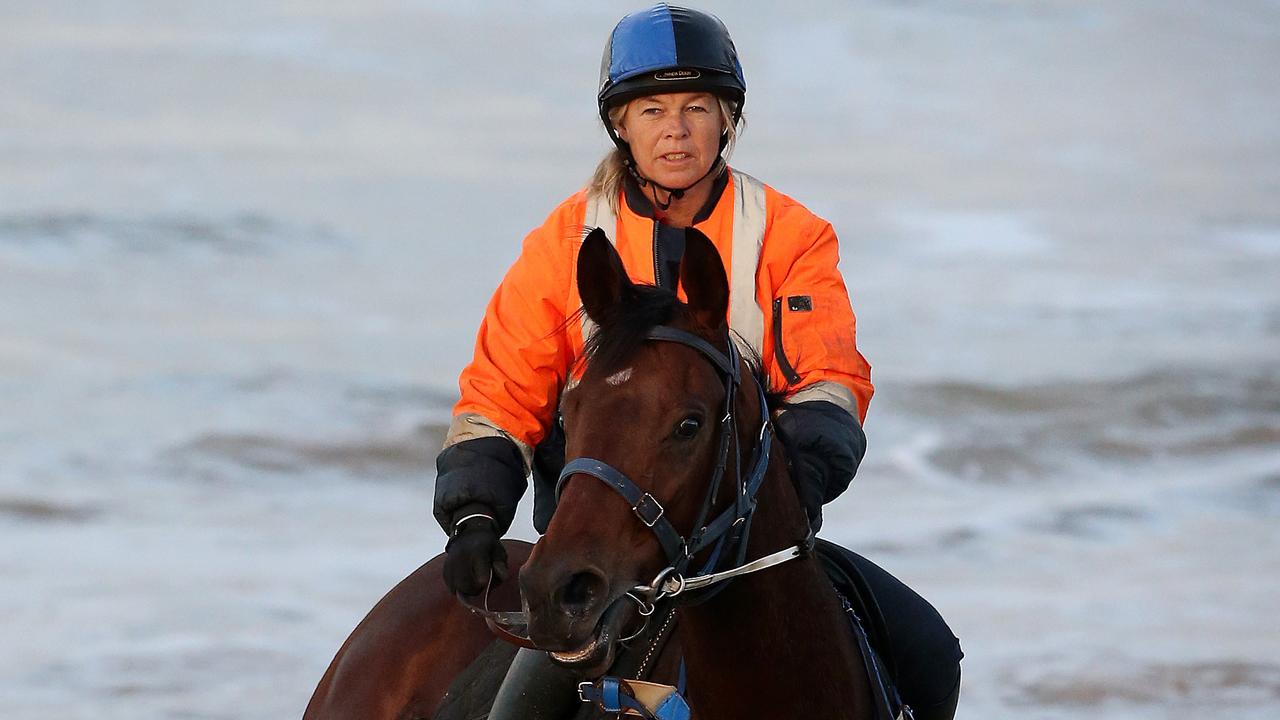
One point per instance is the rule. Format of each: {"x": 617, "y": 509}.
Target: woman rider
{"x": 671, "y": 97}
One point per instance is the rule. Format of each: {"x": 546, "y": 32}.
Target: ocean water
{"x": 244, "y": 248}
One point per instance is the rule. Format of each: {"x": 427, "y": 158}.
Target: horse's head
{"x": 651, "y": 413}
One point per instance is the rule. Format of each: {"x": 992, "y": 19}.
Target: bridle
{"x": 726, "y": 534}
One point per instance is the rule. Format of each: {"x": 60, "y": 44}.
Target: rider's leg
{"x": 944, "y": 709}
{"x": 925, "y": 652}
{"x": 536, "y": 689}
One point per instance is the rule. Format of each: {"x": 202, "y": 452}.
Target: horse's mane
{"x": 618, "y": 336}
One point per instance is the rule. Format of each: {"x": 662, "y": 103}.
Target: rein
{"x": 666, "y": 585}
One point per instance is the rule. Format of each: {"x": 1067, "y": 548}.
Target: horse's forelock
{"x": 626, "y": 325}
{"x": 625, "y": 330}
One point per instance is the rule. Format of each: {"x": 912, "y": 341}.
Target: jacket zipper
{"x": 779, "y": 353}
{"x": 657, "y": 263}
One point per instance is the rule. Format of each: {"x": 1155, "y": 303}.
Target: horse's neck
{"x": 775, "y": 643}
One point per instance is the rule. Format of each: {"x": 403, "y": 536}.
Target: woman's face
{"x": 674, "y": 137}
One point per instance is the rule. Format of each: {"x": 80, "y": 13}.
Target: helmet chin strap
{"x": 673, "y": 194}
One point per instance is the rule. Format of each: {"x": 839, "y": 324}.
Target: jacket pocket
{"x": 779, "y": 352}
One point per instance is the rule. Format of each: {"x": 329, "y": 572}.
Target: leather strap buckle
{"x": 648, "y": 510}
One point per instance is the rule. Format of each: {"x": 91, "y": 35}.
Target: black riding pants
{"x": 920, "y": 645}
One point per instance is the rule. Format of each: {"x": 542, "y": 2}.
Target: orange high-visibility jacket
{"x": 787, "y": 301}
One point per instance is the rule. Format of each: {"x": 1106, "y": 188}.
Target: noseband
{"x": 729, "y": 530}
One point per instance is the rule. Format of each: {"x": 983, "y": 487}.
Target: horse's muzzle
{"x": 564, "y": 605}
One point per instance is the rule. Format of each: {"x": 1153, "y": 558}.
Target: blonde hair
{"x": 611, "y": 171}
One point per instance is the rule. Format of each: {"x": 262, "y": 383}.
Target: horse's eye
{"x": 688, "y": 427}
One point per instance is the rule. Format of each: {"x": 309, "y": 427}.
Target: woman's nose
{"x": 676, "y": 127}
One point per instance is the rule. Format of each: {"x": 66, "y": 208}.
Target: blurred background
{"x": 245, "y": 246}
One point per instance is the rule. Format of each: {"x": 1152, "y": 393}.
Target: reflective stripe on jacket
{"x": 787, "y": 301}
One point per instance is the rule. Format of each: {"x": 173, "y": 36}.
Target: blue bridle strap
{"x": 734, "y": 522}
{"x": 728, "y": 530}
{"x": 726, "y": 364}
{"x": 614, "y": 695}
{"x": 642, "y": 503}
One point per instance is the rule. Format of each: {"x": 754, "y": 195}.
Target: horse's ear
{"x": 602, "y": 279}
{"x": 704, "y": 281}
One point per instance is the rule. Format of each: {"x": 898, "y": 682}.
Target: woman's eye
{"x": 688, "y": 427}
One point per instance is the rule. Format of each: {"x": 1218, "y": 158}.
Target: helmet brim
{"x": 653, "y": 83}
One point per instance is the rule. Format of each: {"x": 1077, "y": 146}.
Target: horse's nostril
{"x": 581, "y": 591}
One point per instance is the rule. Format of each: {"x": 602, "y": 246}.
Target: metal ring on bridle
{"x": 673, "y": 586}
{"x": 654, "y": 589}
{"x": 646, "y": 611}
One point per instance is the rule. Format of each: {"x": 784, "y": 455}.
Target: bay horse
{"x": 666, "y": 416}
{"x": 666, "y": 429}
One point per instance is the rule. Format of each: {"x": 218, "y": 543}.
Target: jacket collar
{"x": 642, "y": 205}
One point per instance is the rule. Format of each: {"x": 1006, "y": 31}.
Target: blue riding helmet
{"x": 669, "y": 49}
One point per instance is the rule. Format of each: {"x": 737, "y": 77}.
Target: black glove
{"x": 473, "y": 554}
{"x": 478, "y": 483}
{"x": 824, "y": 445}
{"x": 485, "y": 475}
